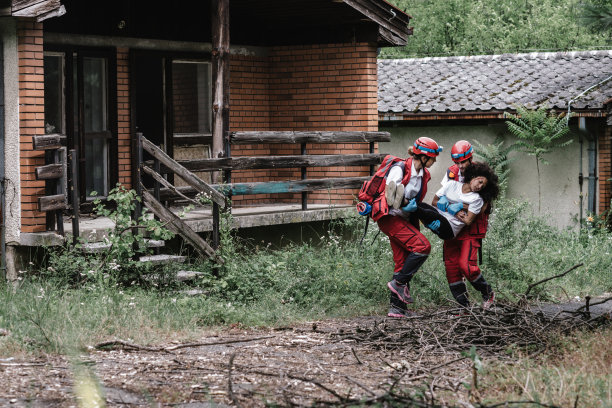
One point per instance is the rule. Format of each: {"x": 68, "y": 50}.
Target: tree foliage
{"x": 472, "y": 27}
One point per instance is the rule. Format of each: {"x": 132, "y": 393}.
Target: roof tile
{"x": 489, "y": 82}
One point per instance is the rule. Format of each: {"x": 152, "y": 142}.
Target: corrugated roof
{"x": 493, "y": 82}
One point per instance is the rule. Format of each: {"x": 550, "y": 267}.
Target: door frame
{"x": 166, "y": 58}
{"x": 72, "y": 142}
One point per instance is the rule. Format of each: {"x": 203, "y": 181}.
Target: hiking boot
{"x": 487, "y": 304}
{"x": 400, "y": 290}
{"x": 399, "y": 313}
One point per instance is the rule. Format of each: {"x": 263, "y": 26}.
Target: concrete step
{"x": 162, "y": 259}
{"x": 97, "y": 247}
{"x": 185, "y": 276}
{"x": 194, "y": 292}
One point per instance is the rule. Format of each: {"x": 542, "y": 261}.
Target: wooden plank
{"x": 296, "y": 186}
{"x": 385, "y": 18}
{"x": 176, "y": 225}
{"x": 276, "y": 187}
{"x": 46, "y": 142}
{"x": 50, "y": 172}
{"x": 35, "y": 8}
{"x": 189, "y": 139}
{"x": 50, "y": 203}
{"x": 182, "y": 172}
{"x": 308, "y": 137}
{"x": 279, "y": 162}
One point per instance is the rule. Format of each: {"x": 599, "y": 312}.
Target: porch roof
{"x": 252, "y": 22}
{"x": 491, "y": 84}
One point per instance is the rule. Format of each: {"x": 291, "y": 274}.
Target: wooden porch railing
{"x": 164, "y": 191}
{"x": 153, "y": 203}
{"x": 302, "y": 161}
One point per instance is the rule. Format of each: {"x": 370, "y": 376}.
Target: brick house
{"x": 96, "y": 73}
{"x": 454, "y": 98}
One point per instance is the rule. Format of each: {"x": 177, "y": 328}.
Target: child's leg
{"x": 428, "y": 214}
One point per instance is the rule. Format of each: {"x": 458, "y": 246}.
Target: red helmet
{"x": 426, "y": 146}
{"x": 461, "y": 151}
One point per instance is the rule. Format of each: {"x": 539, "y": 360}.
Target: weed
{"x": 327, "y": 277}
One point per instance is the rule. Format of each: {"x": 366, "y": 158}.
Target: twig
{"x": 355, "y": 354}
{"x": 112, "y": 343}
{"x": 594, "y": 304}
{"x": 531, "y": 286}
{"x": 229, "y": 381}
{"x": 214, "y": 343}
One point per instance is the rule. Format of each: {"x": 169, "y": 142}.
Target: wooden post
{"x": 74, "y": 189}
{"x": 304, "y": 194}
{"x": 220, "y": 76}
{"x": 220, "y": 87}
{"x": 137, "y": 183}
{"x": 371, "y": 152}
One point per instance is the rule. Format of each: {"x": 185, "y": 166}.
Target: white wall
{"x": 560, "y": 197}
{"x": 8, "y": 35}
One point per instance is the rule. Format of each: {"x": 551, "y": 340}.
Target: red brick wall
{"x": 605, "y": 169}
{"x": 123, "y": 118}
{"x": 325, "y": 87}
{"x": 185, "y": 98}
{"x": 250, "y": 110}
{"x": 315, "y": 87}
{"x": 31, "y": 121}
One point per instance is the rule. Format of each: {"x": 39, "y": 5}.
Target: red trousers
{"x": 405, "y": 239}
{"x": 461, "y": 259}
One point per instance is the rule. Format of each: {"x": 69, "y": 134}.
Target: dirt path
{"x": 332, "y": 361}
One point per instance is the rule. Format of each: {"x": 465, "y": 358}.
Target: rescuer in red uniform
{"x": 461, "y": 253}
{"x": 407, "y": 180}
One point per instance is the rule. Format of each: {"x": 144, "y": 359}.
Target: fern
{"x": 496, "y": 155}
{"x": 538, "y": 132}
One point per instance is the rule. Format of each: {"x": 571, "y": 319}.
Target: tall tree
{"x": 471, "y": 27}
{"x": 598, "y": 16}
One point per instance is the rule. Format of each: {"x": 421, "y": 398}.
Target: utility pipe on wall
{"x": 592, "y": 151}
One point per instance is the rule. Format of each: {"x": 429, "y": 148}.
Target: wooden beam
{"x": 281, "y": 162}
{"x": 46, "y": 142}
{"x": 182, "y": 172}
{"x": 385, "y": 17}
{"x": 50, "y": 203}
{"x": 50, "y": 172}
{"x": 308, "y": 137}
{"x": 176, "y": 225}
{"x": 41, "y": 9}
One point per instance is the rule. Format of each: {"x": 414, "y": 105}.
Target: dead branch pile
{"x": 491, "y": 331}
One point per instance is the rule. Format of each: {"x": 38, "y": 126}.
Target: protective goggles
{"x": 458, "y": 156}
{"x": 427, "y": 149}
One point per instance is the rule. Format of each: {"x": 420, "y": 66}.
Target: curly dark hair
{"x": 478, "y": 169}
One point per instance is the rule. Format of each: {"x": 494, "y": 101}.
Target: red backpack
{"x": 373, "y": 190}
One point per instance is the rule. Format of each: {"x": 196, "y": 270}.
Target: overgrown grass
{"x": 331, "y": 277}
{"x": 577, "y": 373}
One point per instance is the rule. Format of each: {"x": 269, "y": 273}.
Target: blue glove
{"x": 364, "y": 208}
{"x": 442, "y": 203}
{"x": 434, "y": 225}
{"x": 411, "y": 206}
{"x": 455, "y": 208}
